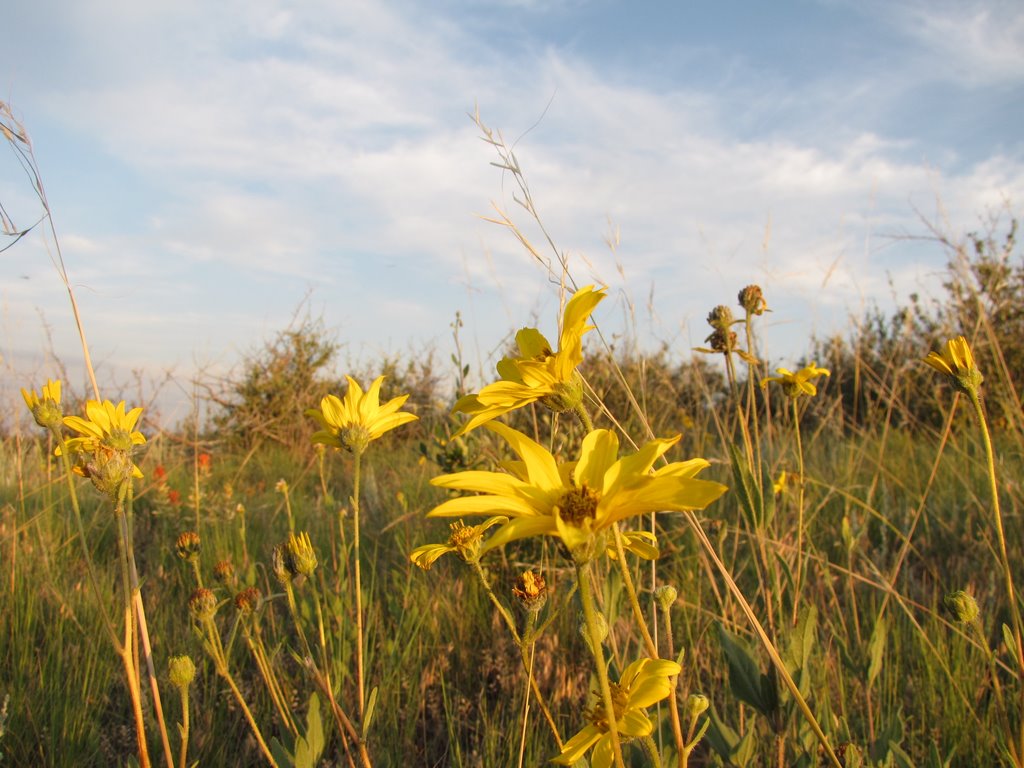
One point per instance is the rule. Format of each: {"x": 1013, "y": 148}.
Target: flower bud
{"x": 752, "y": 300}
{"x": 666, "y": 596}
{"x": 696, "y": 703}
{"x": 203, "y": 604}
{"x": 302, "y": 557}
{"x": 181, "y": 671}
{"x": 720, "y": 318}
{"x": 188, "y": 545}
{"x": 224, "y": 572}
{"x": 248, "y": 600}
{"x": 531, "y": 591}
{"x": 962, "y": 605}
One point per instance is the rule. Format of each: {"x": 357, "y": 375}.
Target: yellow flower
{"x": 353, "y": 422}
{"x": 464, "y": 540}
{"x": 799, "y": 383}
{"x": 45, "y": 408}
{"x": 578, "y": 501}
{"x": 537, "y": 373}
{"x": 784, "y": 482}
{"x": 644, "y": 683}
{"x": 110, "y": 438}
{"x": 957, "y": 363}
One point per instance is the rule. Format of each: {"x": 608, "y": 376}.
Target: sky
{"x": 215, "y": 169}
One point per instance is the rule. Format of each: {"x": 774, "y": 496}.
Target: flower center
{"x": 577, "y": 505}
{"x": 119, "y": 440}
{"x": 463, "y": 535}
{"x": 620, "y": 701}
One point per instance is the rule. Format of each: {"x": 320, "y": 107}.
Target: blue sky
{"x": 213, "y": 165}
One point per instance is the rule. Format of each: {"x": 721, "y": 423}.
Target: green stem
{"x": 89, "y": 567}
{"x": 584, "y": 417}
{"x": 509, "y": 621}
{"x": 359, "y": 587}
{"x": 652, "y": 751}
{"x": 590, "y": 615}
{"x": 1018, "y": 749}
{"x": 183, "y": 754}
{"x": 799, "y": 511}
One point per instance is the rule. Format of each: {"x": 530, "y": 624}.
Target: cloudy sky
{"x": 213, "y": 166}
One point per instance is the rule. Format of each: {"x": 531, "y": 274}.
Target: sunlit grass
{"x": 851, "y": 600}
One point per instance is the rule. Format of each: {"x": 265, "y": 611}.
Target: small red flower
{"x": 160, "y": 474}
{"x": 174, "y": 498}
{"x": 205, "y": 463}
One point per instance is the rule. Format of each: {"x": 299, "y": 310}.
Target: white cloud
{"x": 328, "y": 146}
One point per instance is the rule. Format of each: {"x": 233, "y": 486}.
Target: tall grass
{"x": 808, "y": 607}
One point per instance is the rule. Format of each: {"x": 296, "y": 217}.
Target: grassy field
{"x": 849, "y": 600}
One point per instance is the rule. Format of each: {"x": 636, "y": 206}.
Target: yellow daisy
{"x": 465, "y": 540}
{"x": 108, "y": 435}
{"x": 353, "y": 422}
{"x": 956, "y": 361}
{"x": 537, "y": 373}
{"x": 799, "y": 383}
{"x": 645, "y": 682}
{"x": 579, "y": 501}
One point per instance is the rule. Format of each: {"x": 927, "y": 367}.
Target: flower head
{"x": 465, "y": 541}
{"x": 799, "y": 383}
{"x": 188, "y": 545}
{"x": 301, "y": 556}
{"x": 107, "y": 444}
{"x": 643, "y": 683}
{"x": 751, "y": 298}
{"x": 45, "y": 407}
{"x": 248, "y": 600}
{"x": 538, "y": 373}
{"x": 956, "y": 361}
{"x": 353, "y": 422}
{"x": 577, "y": 501}
{"x": 530, "y": 590}
{"x": 203, "y": 604}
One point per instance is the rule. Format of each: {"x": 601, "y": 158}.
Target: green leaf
{"x": 314, "y": 729}
{"x": 876, "y": 650}
{"x": 1011, "y": 643}
{"x": 370, "y": 705}
{"x": 746, "y": 488}
{"x": 745, "y": 678}
{"x": 281, "y": 755}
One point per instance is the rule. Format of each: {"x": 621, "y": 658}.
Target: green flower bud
{"x": 181, "y": 671}
{"x": 962, "y": 605}
{"x": 666, "y": 596}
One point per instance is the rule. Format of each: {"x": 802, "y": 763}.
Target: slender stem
{"x": 128, "y": 647}
{"x": 590, "y": 615}
{"x": 526, "y": 703}
{"x": 183, "y": 754}
{"x": 584, "y": 417}
{"x": 147, "y": 648}
{"x": 652, "y": 649}
{"x": 509, "y": 621}
{"x": 89, "y": 567}
{"x": 799, "y": 510}
{"x": 677, "y": 727}
{"x": 1018, "y": 749}
{"x": 994, "y": 489}
{"x": 780, "y": 665}
{"x": 652, "y": 751}
{"x": 220, "y": 663}
{"x": 359, "y": 586}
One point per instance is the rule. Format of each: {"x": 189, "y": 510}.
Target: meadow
{"x": 601, "y": 555}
